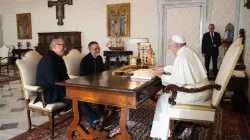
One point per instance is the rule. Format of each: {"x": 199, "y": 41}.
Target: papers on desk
{"x": 239, "y": 73}
{"x": 145, "y": 74}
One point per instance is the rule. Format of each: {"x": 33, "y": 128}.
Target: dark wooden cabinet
{"x": 114, "y": 59}
{"x": 72, "y": 41}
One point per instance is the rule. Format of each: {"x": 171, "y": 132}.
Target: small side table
{"x": 19, "y": 53}
{"x": 114, "y": 59}
{"x": 226, "y": 45}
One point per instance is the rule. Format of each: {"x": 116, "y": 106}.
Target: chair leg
{"x": 10, "y": 89}
{"x": 14, "y": 69}
{"x": 171, "y": 127}
{"x": 7, "y": 69}
{"x": 210, "y": 131}
{"x": 29, "y": 119}
{"x": 51, "y": 120}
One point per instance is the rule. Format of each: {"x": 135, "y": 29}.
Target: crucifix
{"x": 59, "y": 9}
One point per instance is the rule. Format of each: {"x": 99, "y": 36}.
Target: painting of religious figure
{"x": 24, "y": 30}
{"x": 118, "y": 20}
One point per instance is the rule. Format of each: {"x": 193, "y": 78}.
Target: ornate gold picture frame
{"x": 24, "y": 28}
{"x": 118, "y": 20}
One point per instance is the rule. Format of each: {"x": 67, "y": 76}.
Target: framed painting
{"x": 118, "y": 20}
{"x": 24, "y": 28}
{"x": 132, "y": 60}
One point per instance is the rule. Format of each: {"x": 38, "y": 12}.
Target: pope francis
{"x": 187, "y": 71}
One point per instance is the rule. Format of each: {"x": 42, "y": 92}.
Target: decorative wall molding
{"x": 163, "y": 5}
{"x": 1, "y": 30}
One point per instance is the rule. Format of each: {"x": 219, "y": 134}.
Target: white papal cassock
{"x": 187, "y": 71}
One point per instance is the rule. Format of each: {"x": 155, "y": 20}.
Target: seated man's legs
{"x": 85, "y": 109}
{"x": 88, "y": 112}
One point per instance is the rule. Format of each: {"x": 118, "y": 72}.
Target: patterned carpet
{"x": 7, "y": 78}
{"x": 228, "y": 126}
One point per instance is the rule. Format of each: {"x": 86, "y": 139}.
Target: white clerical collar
{"x": 94, "y": 56}
{"x": 181, "y": 49}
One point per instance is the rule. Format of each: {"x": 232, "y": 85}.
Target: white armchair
{"x": 72, "y": 61}
{"x": 27, "y": 67}
{"x": 205, "y": 111}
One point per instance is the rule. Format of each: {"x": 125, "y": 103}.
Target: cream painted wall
{"x": 222, "y": 12}
{"x": 144, "y": 21}
{"x": 247, "y": 46}
{"x": 87, "y": 16}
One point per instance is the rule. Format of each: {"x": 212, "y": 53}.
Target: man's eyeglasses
{"x": 96, "y": 49}
{"x": 61, "y": 44}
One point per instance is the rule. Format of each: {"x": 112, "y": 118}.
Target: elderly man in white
{"x": 187, "y": 71}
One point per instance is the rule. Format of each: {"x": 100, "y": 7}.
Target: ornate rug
{"x": 8, "y": 78}
{"x": 228, "y": 126}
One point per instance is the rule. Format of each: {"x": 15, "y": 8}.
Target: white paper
{"x": 145, "y": 74}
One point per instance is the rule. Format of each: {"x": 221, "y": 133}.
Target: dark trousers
{"x": 85, "y": 109}
{"x": 207, "y": 62}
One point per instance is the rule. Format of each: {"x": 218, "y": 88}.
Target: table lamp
{"x": 138, "y": 41}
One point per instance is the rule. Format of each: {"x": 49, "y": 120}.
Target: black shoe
{"x": 95, "y": 123}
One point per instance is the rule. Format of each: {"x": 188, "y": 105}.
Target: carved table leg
{"x": 123, "y": 119}
{"x": 75, "y": 125}
{"x": 171, "y": 127}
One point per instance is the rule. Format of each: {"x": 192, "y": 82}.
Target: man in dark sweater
{"x": 52, "y": 69}
{"x": 92, "y": 63}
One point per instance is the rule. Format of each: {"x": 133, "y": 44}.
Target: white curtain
{"x": 1, "y": 30}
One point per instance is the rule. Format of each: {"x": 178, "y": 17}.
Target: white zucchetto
{"x": 178, "y": 39}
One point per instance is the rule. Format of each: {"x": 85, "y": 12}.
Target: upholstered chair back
{"x": 227, "y": 67}
{"x": 27, "y": 67}
{"x": 4, "y": 52}
{"x": 72, "y": 61}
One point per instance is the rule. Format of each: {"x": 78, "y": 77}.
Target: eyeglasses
{"x": 61, "y": 44}
{"x": 96, "y": 49}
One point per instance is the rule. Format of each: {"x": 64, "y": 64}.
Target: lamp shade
{"x": 138, "y": 40}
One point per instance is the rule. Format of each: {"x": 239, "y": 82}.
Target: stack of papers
{"x": 145, "y": 74}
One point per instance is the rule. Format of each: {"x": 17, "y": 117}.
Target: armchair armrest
{"x": 73, "y": 76}
{"x": 36, "y": 89}
{"x": 175, "y": 88}
{"x": 32, "y": 88}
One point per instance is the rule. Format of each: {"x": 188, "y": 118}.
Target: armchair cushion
{"x": 48, "y": 107}
{"x": 197, "y": 106}
{"x": 191, "y": 114}
{"x": 73, "y": 76}
{"x": 31, "y": 88}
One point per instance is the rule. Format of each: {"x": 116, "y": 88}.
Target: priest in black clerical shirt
{"x": 92, "y": 62}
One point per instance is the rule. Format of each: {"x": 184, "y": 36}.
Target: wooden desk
{"x": 107, "y": 89}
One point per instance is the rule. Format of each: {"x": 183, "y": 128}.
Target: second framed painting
{"x": 118, "y": 20}
{"x": 24, "y": 28}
